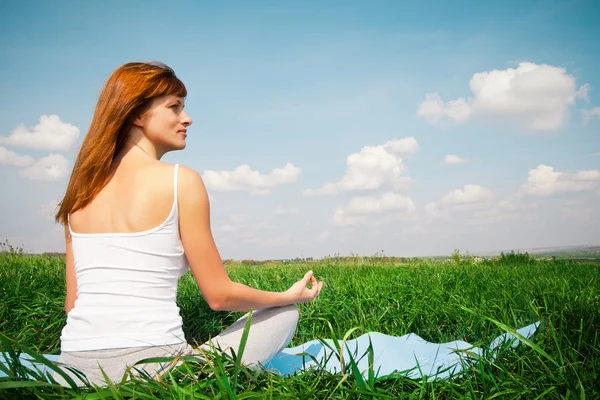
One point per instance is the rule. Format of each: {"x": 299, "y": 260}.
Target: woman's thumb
{"x": 307, "y": 276}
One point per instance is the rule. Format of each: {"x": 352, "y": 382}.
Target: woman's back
{"x": 138, "y": 197}
{"x": 128, "y": 257}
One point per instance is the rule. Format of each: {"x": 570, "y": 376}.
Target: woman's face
{"x": 165, "y": 122}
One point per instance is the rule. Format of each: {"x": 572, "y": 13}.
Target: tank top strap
{"x": 175, "y": 175}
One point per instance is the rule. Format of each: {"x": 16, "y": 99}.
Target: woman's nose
{"x": 186, "y": 119}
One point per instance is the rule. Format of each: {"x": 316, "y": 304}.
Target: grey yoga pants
{"x": 271, "y": 330}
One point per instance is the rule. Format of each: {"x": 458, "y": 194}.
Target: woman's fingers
{"x": 315, "y": 285}
{"x": 316, "y": 288}
{"x": 308, "y": 277}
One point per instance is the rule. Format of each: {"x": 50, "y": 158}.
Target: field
{"x": 461, "y": 298}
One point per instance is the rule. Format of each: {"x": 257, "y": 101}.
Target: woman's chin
{"x": 181, "y": 144}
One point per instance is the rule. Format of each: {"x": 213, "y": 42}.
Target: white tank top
{"x": 127, "y": 287}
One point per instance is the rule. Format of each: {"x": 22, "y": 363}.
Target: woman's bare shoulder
{"x": 160, "y": 174}
{"x": 191, "y": 185}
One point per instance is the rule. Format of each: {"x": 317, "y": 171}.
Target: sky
{"x": 327, "y": 128}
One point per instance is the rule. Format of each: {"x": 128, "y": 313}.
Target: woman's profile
{"x": 135, "y": 224}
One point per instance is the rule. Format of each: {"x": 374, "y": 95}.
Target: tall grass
{"x": 441, "y": 301}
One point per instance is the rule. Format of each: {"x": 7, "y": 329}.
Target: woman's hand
{"x": 300, "y": 293}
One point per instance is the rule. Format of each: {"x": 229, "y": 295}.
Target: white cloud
{"x": 452, "y": 159}
{"x": 477, "y": 203}
{"x": 11, "y": 158}
{"x": 50, "y": 134}
{"x": 588, "y": 175}
{"x": 534, "y": 96}
{"x": 470, "y": 197}
{"x": 510, "y": 204}
{"x": 372, "y": 168}
{"x": 434, "y": 110}
{"x": 588, "y": 115}
{"x": 245, "y": 179}
{"x": 284, "y": 211}
{"x": 408, "y": 145}
{"x": 358, "y": 207}
{"x": 469, "y": 194}
{"x": 51, "y": 168}
{"x": 544, "y": 181}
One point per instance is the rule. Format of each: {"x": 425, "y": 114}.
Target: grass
{"x": 441, "y": 301}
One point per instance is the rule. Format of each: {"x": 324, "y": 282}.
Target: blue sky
{"x": 508, "y": 90}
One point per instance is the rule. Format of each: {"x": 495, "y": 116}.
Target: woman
{"x": 134, "y": 225}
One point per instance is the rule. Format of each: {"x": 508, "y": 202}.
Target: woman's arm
{"x": 219, "y": 291}
{"x": 71, "y": 279}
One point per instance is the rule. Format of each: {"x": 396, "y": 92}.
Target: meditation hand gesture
{"x": 300, "y": 293}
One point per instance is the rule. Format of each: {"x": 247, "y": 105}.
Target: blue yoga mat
{"x": 408, "y": 355}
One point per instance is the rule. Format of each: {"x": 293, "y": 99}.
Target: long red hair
{"x": 125, "y": 95}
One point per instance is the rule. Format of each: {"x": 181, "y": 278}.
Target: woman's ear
{"x": 139, "y": 120}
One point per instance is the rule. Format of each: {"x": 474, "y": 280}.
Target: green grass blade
{"x": 240, "y": 354}
{"x": 22, "y": 384}
{"x": 522, "y": 338}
